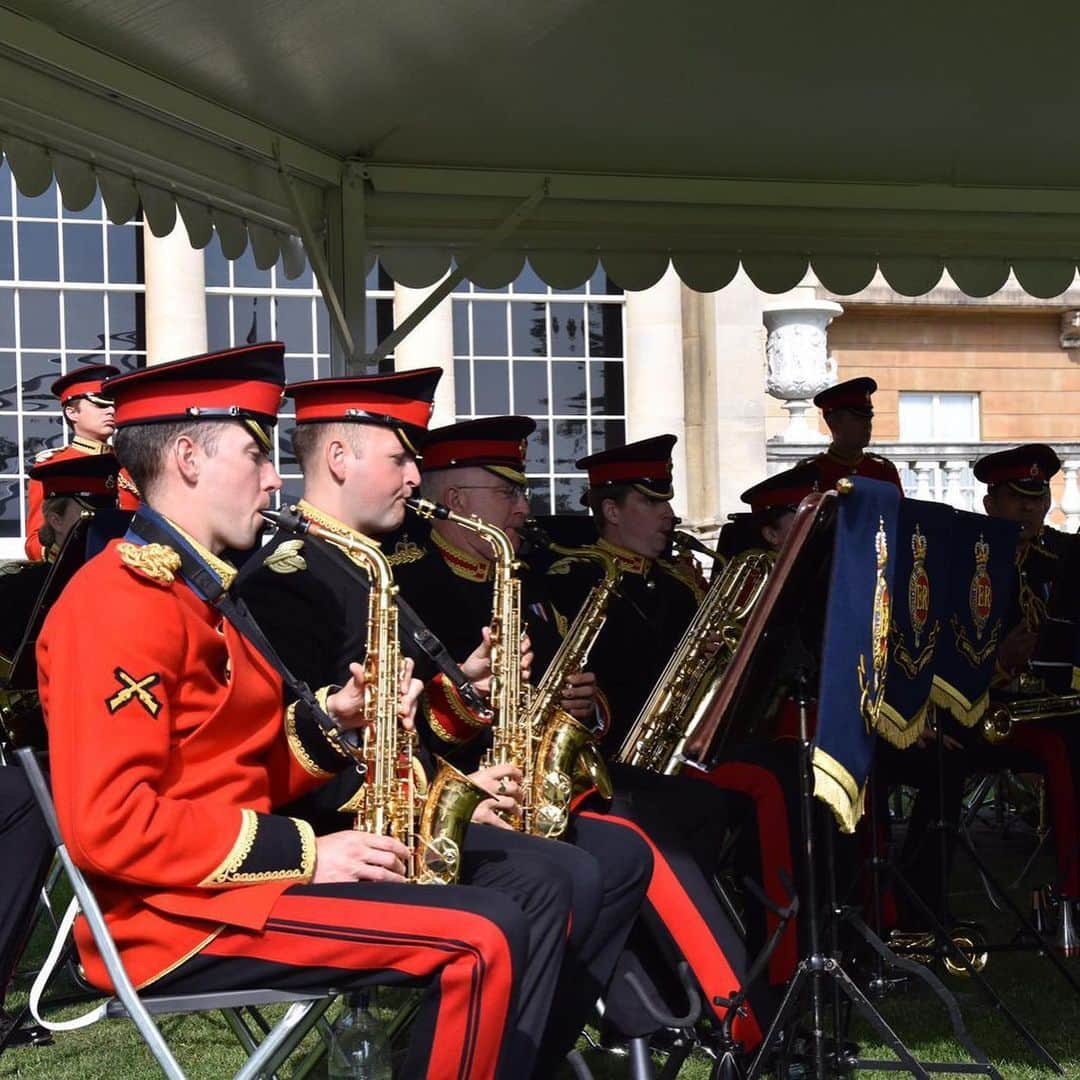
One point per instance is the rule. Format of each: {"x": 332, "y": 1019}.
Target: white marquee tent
{"x": 843, "y": 136}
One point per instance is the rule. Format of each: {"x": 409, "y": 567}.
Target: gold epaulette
{"x": 157, "y": 562}
{"x": 567, "y": 562}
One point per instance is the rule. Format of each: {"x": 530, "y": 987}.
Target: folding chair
{"x": 267, "y": 1046}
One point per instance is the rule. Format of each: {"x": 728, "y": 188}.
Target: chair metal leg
{"x": 265, "y": 1055}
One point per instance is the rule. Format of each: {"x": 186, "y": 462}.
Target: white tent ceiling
{"x": 842, "y": 135}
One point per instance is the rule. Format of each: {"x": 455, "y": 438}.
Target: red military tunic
{"x": 169, "y": 747}
{"x": 832, "y": 467}
{"x": 127, "y": 494}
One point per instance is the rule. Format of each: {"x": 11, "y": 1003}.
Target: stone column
{"x": 733, "y": 389}
{"x": 799, "y": 365}
{"x": 431, "y": 344}
{"x": 655, "y": 403}
{"x": 1070, "y": 496}
{"x": 175, "y": 296}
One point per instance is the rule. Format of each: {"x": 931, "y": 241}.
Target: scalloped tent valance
{"x": 703, "y": 136}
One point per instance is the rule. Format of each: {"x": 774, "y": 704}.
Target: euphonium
{"x": 564, "y": 746}
{"x": 998, "y": 722}
{"x": 431, "y": 826}
{"x": 658, "y": 735}
{"x": 512, "y": 741}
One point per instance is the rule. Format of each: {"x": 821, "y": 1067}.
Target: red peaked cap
{"x": 235, "y": 384}
{"x": 1026, "y": 469}
{"x": 645, "y": 465}
{"x": 88, "y": 476}
{"x": 785, "y": 489}
{"x": 496, "y": 443}
{"x": 855, "y": 394}
{"x": 400, "y": 400}
{"x": 84, "y": 381}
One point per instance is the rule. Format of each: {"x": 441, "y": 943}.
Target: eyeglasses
{"x": 510, "y": 493}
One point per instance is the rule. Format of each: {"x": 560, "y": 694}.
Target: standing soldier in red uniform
{"x": 171, "y": 747}
{"x": 849, "y": 413}
{"x": 89, "y": 413}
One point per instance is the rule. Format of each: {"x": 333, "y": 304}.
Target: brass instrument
{"x": 922, "y": 947}
{"x": 512, "y": 742}
{"x": 431, "y": 826}
{"x": 667, "y": 719}
{"x": 687, "y": 542}
{"x": 998, "y": 722}
{"x": 564, "y": 746}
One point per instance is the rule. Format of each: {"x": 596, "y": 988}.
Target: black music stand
{"x": 829, "y": 1056}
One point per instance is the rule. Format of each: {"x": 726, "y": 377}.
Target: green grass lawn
{"x": 205, "y": 1046}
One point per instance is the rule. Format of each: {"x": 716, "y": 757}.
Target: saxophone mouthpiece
{"x": 288, "y": 519}
{"x": 426, "y": 508}
{"x": 685, "y": 539}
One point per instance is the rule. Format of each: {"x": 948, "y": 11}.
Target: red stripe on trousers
{"x": 1053, "y": 752}
{"x": 473, "y": 964}
{"x": 691, "y": 934}
{"x": 774, "y": 839}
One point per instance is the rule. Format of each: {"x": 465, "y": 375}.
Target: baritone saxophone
{"x": 431, "y": 825}
{"x": 672, "y": 710}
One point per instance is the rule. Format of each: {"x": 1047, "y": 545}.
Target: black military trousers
{"x": 26, "y": 851}
{"x": 683, "y": 821}
{"x": 481, "y": 957}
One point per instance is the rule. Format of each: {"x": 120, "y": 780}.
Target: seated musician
{"x": 848, "y": 409}
{"x": 171, "y": 744}
{"x": 357, "y": 441}
{"x": 70, "y": 487}
{"x": 88, "y": 412}
{"x": 630, "y": 496}
{"x": 1018, "y": 489}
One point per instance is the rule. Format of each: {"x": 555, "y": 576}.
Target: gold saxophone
{"x": 565, "y": 747}
{"x": 668, "y": 717}
{"x": 998, "y": 722}
{"x": 431, "y": 826}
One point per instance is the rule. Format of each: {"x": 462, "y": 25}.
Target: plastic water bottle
{"x": 359, "y": 1049}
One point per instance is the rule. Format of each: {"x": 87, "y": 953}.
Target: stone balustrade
{"x": 942, "y": 472}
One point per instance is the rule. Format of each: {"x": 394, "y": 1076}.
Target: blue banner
{"x": 982, "y": 590}
{"x": 919, "y": 618}
{"x": 856, "y": 645}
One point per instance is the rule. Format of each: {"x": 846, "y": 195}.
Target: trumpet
{"x": 998, "y": 722}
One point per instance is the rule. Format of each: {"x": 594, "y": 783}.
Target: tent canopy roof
{"x": 846, "y": 135}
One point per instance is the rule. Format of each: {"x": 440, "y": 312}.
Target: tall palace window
{"x": 555, "y": 356}
{"x": 71, "y": 293}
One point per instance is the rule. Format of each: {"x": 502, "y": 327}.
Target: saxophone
{"x": 431, "y": 826}
{"x": 564, "y": 745}
{"x": 513, "y": 741}
{"x": 667, "y": 719}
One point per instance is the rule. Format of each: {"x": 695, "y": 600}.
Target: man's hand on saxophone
{"x": 346, "y": 706}
{"x": 503, "y": 783}
{"x": 359, "y": 856}
{"x": 478, "y": 665}
{"x": 579, "y": 696}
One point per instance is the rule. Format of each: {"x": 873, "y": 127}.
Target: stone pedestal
{"x": 797, "y": 355}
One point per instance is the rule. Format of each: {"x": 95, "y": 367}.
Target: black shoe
{"x": 24, "y": 1035}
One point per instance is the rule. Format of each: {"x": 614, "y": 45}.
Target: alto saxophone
{"x": 667, "y": 719}
{"x": 565, "y": 747}
{"x": 431, "y": 826}
{"x": 512, "y": 741}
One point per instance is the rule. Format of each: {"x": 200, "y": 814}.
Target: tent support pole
{"x": 314, "y": 251}
{"x": 465, "y": 266}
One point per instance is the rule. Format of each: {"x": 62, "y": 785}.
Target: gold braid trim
{"x": 228, "y": 871}
{"x": 946, "y": 696}
{"x": 125, "y": 482}
{"x": 899, "y": 731}
{"x": 157, "y": 562}
{"x": 297, "y": 747}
